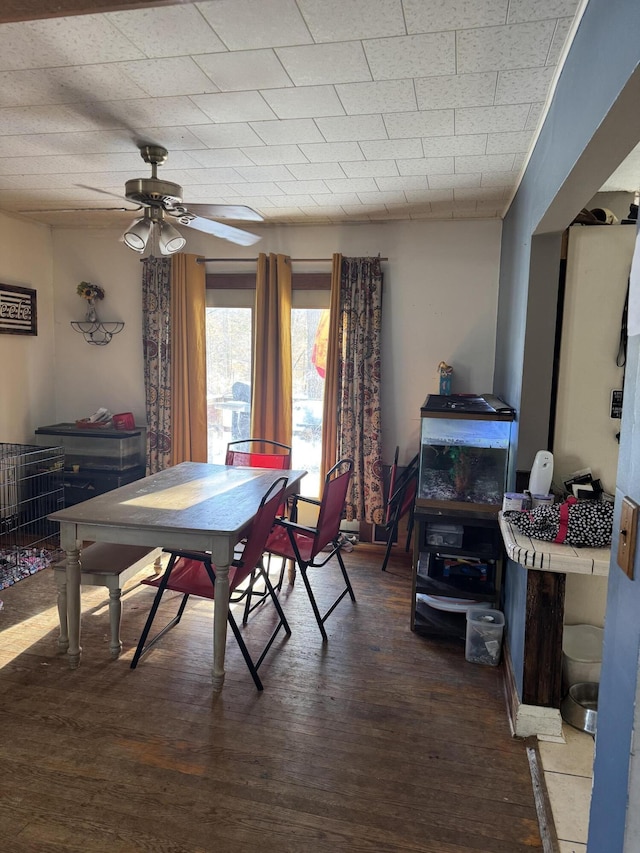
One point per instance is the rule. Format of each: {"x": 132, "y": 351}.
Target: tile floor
{"x": 568, "y": 773}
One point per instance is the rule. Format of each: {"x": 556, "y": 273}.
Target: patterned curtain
{"x": 359, "y": 429}
{"x": 156, "y": 342}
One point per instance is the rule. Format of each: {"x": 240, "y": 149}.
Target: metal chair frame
{"x": 263, "y": 521}
{"x": 312, "y": 540}
{"x": 401, "y": 500}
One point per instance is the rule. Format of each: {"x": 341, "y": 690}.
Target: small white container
{"x": 515, "y": 502}
{"x": 484, "y": 636}
{"x": 581, "y": 654}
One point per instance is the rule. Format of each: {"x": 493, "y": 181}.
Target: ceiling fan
{"x": 161, "y": 199}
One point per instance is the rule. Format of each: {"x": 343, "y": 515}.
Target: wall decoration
{"x": 18, "y": 310}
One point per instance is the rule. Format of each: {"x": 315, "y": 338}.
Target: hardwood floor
{"x": 379, "y": 741}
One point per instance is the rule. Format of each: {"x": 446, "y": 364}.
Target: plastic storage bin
{"x": 581, "y": 654}
{"x": 484, "y": 636}
{"x": 107, "y": 449}
{"x": 445, "y": 534}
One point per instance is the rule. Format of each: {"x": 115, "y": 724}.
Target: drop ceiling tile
{"x": 167, "y": 31}
{"x": 385, "y": 96}
{"x": 512, "y": 46}
{"x": 273, "y": 155}
{"x": 313, "y": 65}
{"x": 392, "y": 149}
{"x": 306, "y": 102}
{"x": 221, "y": 157}
{"x": 80, "y": 40}
{"x": 328, "y": 210}
{"x": 525, "y": 10}
{"x": 491, "y": 119}
{"x": 303, "y": 187}
{"x": 326, "y": 152}
{"x": 31, "y": 146}
{"x": 352, "y": 185}
{"x": 337, "y": 199}
{"x": 562, "y": 31}
{"x": 412, "y": 56}
{"x": 230, "y": 135}
{"x": 425, "y": 16}
{"x": 422, "y": 123}
{"x": 402, "y": 184}
{"x": 291, "y": 130}
{"x": 382, "y": 198}
{"x": 502, "y": 143}
{"x": 535, "y": 114}
{"x": 158, "y": 112}
{"x": 234, "y": 106}
{"x": 284, "y": 200}
{"x": 329, "y": 20}
{"x": 444, "y": 146}
{"x": 484, "y": 163}
{"x": 445, "y": 181}
{"x": 348, "y": 128}
{"x": 203, "y": 177}
{"x": 244, "y": 69}
{"x": 370, "y": 168}
{"x": 494, "y": 194}
{"x": 426, "y": 166}
{"x": 241, "y": 25}
{"x": 431, "y": 196}
{"x": 177, "y": 75}
{"x": 498, "y": 179}
{"x": 47, "y": 119}
{"x": 259, "y": 203}
{"x": 268, "y": 188}
{"x": 523, "y": 85}
{"x": 66, "y": 85}
{"x": 264, "y": 173}
{"x": 316, "y": 171}
{"x": 204, "y": 194}
{"x": 462, "y": 90}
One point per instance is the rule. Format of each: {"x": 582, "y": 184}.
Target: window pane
{"x": 228, "y": 377}
{"x": 309, "y": 329}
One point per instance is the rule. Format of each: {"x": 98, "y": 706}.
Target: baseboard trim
{"x": 548, "y": 834}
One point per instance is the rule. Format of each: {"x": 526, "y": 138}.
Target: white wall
{"x": 28, "y": 362}
{"x": 440, "y": 297}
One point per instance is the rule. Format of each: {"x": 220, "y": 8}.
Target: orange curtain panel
{"x": 188, "y": 361}
{"x": 271, "y": 388}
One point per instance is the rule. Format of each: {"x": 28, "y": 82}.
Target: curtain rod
{"x": 255, "y": 260}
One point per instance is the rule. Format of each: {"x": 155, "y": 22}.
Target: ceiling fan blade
{"x": 111, "y": 195}
{"x": 219, "y": 229}
{"x": 227, "y": 211}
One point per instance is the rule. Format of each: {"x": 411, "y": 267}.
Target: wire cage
{"x": 31, "y": 487}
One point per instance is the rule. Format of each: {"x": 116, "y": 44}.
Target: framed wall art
{"x": 18, "y": 310}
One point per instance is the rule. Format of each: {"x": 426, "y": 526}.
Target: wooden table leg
{"x": 220, "y": 615}
{"x": 73, "y": 607}
{"x": 61, "y": 585}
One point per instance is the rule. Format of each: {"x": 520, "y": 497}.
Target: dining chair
{"x": 313, "y": 547}
{"x": 260, "y": 453}
{"x": 401, "y": 500}
{"x": 193, "y": 573}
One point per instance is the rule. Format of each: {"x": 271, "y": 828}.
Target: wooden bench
{"x": 110, "y": 565}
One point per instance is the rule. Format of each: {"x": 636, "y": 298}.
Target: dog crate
{"x": 31, "y": 487}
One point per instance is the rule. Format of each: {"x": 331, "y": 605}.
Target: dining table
{"x": 194, "y": 506}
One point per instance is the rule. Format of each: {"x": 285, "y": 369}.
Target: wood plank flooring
{"x": 379, "y": 741}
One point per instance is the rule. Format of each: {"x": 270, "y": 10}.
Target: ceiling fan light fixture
{"x": 170, "y": 240}
{"x": 137, "y": 234}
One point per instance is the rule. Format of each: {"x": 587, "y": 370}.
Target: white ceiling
{"x": 306, "y": 110}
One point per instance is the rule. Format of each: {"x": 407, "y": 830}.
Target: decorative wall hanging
{"x": 94, "y": 330}
{"x": 18, "y": 314}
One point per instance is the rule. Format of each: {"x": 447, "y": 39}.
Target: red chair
{"x": 193, "y": 573}
{"x": 400, "y": 501}
{"x": 306, "y": 545}
{"x": 259, "y": 453}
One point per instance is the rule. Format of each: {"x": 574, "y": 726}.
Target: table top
{"x": 550, "y": 556}
{"x": 192, "y": 497}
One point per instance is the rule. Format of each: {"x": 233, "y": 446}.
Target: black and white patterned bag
{"x": 581, "y": 523}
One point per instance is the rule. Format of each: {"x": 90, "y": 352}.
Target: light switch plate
{"x": 627, "y": 536}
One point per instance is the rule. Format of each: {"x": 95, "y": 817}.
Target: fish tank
{"x": 464, "y": 452}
